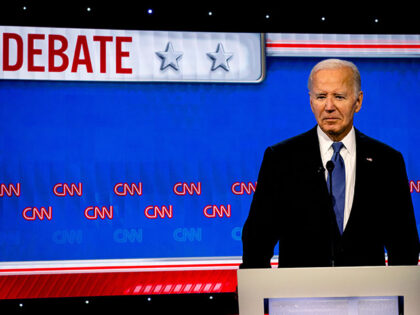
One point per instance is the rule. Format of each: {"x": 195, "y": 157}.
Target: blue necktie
{"x": 338, "y": 185}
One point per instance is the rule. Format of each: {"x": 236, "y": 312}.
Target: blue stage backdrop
{"x": 115, "y": 170}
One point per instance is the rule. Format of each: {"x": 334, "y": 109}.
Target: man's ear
{"x": 310, "y": 101}
{"x": 359, "y": 102}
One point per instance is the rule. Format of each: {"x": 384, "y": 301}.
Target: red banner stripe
{"x": 117, "y": 283}
{"x": 102, "y": 268}
{"x": 357, "y": 46}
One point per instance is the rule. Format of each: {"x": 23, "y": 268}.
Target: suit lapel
{"x": 315, "y": 167}
{"x": 314, "y": 164}
{"x": 364, "y": 163}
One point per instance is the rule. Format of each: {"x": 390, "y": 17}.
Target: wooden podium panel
{"x": 256, "y": 284}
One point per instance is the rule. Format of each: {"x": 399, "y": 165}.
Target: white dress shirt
{"x": 348, "y": 153}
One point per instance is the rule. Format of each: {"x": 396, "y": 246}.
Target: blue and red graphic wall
{"x": 146, "y": 170}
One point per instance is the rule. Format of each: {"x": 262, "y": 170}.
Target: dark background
{"x": 396, "y": 17}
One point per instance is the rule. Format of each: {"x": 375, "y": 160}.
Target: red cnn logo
{"x": 10, "y": 190}
{"x": 240, "y": 188}
{"x": 152, "y": 212}
{"x": 121, "y": 189}
{"x": 414, "y": 187}
{"x": 62, "y": 190}
{"x": 31, "y": 213}
{"x": 211, "y": 211}
{"x": 181, "y": 189}
{"x": 93, "y": 212}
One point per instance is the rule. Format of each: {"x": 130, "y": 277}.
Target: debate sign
{"x": 117, "y": 55}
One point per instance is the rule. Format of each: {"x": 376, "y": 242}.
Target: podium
{"x": 287, "y": 287}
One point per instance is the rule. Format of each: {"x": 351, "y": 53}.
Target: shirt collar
{"x": 325, "y": 142}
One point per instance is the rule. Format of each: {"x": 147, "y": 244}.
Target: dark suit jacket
{"x": 292, "y": 206}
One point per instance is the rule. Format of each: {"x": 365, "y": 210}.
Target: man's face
{"x": 334, "y": 101}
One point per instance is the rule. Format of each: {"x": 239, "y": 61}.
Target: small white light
{"x": 24, "y": 8}
{"x": 267, "y": 16}
{"x": 149, "y": 299}
{"x": 20, "y": 305}
{"x": 323, "y": 18}
{"x": 87, "y": 302}
{"x": 210, "y": 13}
{"x": 150, "y": 11}
{"x": 88, "y": 9}
{"x": 211, "y": 297}
{"x": 376, "y": 20}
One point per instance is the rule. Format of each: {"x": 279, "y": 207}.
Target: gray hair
{"x": 335, "y": 64}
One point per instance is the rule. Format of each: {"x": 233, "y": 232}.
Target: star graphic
{"x": 220, "y": 58}
{"x": 169, "y": 57}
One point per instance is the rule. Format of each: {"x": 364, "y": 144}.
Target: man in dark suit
{"x": 345, "y": 212}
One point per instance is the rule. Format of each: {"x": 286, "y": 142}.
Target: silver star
{"x": 169, "y": 57}
{"x": 220, "y": 58}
